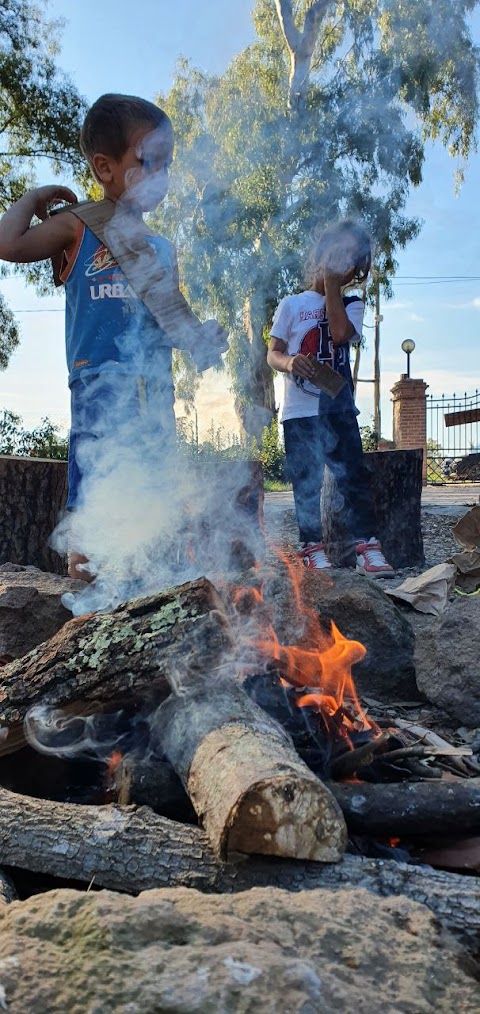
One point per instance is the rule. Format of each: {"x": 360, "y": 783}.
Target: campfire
{"x": 188, "y": 702}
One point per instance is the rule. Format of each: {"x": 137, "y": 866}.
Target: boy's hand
{"x": 24, "y": 243}
{"x": 214, "y": 341}
{"x": 334, "y": 279}
{"x": 46, "y": 196}
{"x": 301, "y": 366}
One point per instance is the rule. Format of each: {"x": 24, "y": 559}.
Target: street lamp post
{"x": 408, "y": 346}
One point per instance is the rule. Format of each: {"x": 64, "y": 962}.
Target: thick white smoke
{"x": 146, "y": 518}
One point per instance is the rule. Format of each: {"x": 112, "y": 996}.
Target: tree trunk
{"x": 33, "y": 492}
{"x": 356, "y": 367}
{"x": 132, "y": 849}
{"x": 301, "y": 45}
{"x": 128, "y": 652}
{"x": 396, "y": 484}
{"x": 251, "y": 791}
{"x": 258, "y": 409}
{"x": 410, "y": 808}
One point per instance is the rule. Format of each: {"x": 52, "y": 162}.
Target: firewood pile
{"x": 178, "y": 743}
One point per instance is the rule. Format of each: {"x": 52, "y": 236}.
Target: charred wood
{"x": 132, "y": 849}
{"x": 410, "y": 808}
{"x": 249, "y": 787}
{"x": 153, "y": 783}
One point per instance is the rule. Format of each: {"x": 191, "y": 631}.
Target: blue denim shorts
{"x": 101, "y": 405}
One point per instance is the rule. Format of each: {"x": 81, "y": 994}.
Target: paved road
{"x": 447, "y": 499}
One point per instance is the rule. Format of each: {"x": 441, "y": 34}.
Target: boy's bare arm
{"x": 22, "y": 242}
{"x": 341, "y": 328}
{"x": 279, "y": 360}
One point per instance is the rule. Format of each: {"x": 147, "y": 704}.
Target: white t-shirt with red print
{"x": 301, "y": 322}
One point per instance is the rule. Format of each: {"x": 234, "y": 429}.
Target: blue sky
{"x": 120, "y": 46}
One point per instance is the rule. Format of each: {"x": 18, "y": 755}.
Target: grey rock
{"x": 30, "y": 607}
{"x": 362, "y": 612}
{"x": 319, "y": 951}
{"x": 447, "y": 660}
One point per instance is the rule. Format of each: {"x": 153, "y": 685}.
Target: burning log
{"x": 251, "y": 791}
{"x": 410, "y": 808}
{"x": 110, "y": 656}
{"x": 132, "y": 849}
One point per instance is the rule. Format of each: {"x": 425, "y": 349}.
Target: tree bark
{"x": 410, "y": 808}
{"x": 128, "y": 652}
{"x": 33, "y": 492}
{"x": 132, "y": 849}
{"x": 258, "y": 410}
{"x": 396, "y": 485}
{"x": 300, "y": 45}
{"x": 251, "y": 791}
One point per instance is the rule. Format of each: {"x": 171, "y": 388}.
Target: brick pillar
{"x": 410, "y": 416}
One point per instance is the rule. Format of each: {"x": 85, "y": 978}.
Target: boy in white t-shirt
{"x": 317, "y": 327}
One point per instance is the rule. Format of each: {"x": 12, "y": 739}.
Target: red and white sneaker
{"x": 371, "y": 561}
{"x": 314, "y": 556}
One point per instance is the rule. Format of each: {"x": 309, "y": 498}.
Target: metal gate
{"x": 453, "y": 438}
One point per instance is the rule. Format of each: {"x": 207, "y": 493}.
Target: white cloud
{"x": 473, "y": 304}
{"x": 396, "y": 306}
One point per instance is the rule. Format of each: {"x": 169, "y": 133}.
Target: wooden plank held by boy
{"x": 126, "y": 238}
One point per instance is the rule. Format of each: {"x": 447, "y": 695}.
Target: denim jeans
{"x": 332, "y": 440}
{"x": 120, "y": 408}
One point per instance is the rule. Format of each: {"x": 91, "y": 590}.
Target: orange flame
{"x": 113, "y": 763}
{"x": 324, "y": 667}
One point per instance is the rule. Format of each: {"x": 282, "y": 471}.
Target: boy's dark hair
{"x": 341, "y": 247}
{"x": 110, "y": 121}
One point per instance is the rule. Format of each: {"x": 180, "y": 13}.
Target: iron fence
{"x": 453, "y": 438}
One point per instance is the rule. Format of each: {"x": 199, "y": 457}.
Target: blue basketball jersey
{"x": 107, "y": 327}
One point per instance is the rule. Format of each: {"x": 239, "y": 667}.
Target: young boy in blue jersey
{"x": 118, "y": 354}
{"x": 312, "y": 329}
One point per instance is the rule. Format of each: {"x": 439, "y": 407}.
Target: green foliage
{"x": 42, "y": 442}
{"x": 369, "y": 438}
{"x": 255, "y": 177}
{"x": 218, "y": 443}
{"x": 40, "y": 116}
{"x": 272, "y": 454}
{"x": 222, "y": 446}
{"x": 433, "y": 446}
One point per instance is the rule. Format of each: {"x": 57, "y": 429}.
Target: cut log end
{"x": 254, "y": 795}
{"x": 287, "y": 816}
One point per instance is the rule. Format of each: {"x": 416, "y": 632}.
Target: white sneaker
{"x": 371, "y": 561}
{"x": 314, "y": 556}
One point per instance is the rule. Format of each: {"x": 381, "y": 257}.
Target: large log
{"x": 33, "y": 492}
{"x": 32, "y": 495}
{"x": 410, "y": 808}
{"x": 132, "y": 849}
{"x": 128, "y": 652}
{"x": 396, "y": 484}
{"x": 251, "y": 791}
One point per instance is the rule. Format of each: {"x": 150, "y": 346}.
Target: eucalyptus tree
{"x": 40, "y": 116}
{"x": 327, "y": 113}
